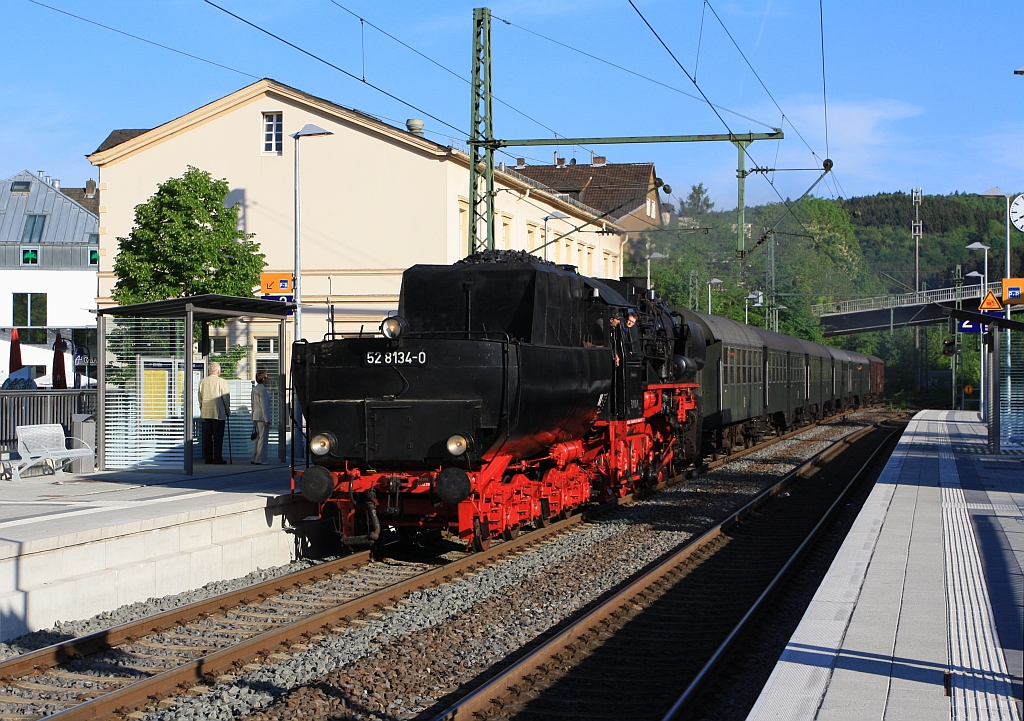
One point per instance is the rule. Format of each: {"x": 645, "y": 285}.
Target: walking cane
{"x": 227, "y": 417}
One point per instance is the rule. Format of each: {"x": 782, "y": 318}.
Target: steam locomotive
{"x": 509, "y": 391}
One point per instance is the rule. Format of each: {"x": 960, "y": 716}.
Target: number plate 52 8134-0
{"x": 398, "y": 357}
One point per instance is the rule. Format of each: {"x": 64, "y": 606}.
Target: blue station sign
{"x": 279, "y": 299}
{"x": 969, "y": 326}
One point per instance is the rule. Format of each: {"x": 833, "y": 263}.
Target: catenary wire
{"x": 447, "y": 70}
{"x": 144, "y": 40}
{"x": 700, "y": 37}
{"x": 340, "y": 70}
{"x": 632, "y": 72}
{"x": 749, "y": 65}
{"x": 824, "y": 96}
{"x": 711, "y": 105}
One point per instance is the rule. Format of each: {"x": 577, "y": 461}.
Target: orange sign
{"x": 990, "y": 302}
{"x": 968, "y": 389}
{"x": 275, "y": 283}
{"x": 1012, "y": 288}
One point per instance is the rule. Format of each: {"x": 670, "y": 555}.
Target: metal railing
{"x": 939, "y": 295}
{"x": 27, "y": 408}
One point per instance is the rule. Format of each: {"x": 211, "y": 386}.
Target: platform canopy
{"x": 153, "y": 341}
{"x": 204, "y": 308}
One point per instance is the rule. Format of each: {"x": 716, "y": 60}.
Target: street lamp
{"x": 980, "y": 246}
{"x": 746, "y": 306}
{"x": 997, "y": 192}
{"x": 652, "y": 256}
{"x": 554, "y": 215}
{"x": 777, "y": 309}
{"x": 713, "y": 281}
{"x": 308, "y": 130}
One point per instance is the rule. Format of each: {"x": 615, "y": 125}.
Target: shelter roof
{"x": 204, "y": 308}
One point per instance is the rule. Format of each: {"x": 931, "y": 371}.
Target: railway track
{"x": 186, "y": 650}
{"x": 600, "y": 665}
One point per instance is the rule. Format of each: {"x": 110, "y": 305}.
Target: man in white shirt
{"x": 214, "y": 404}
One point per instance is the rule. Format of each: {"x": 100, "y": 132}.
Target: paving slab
{"x": 921, "y": 615}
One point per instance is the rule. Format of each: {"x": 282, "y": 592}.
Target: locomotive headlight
{"x": 321, "y": 444}
{"x": 458, "y": 444}
{"x": 393, "y": 327}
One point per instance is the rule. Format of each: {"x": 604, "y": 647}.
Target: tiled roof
{"x": 117, "y": 137}
{"x": 78, "y": 195}
{"x": 617, "y": 187}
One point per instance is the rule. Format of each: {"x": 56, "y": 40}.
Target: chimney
{"x": 56, "y": 184}
{"x": 90, "y": 188}
{"x": 520, "y": 163}
{"x": 47, "y": 180}
{"x": 501, "y": 167}
{"x": 414, "y": 126}
{"x": 40, "y": 174}
{"x": 560, "y": 162}
{"x": 599, "y": 161}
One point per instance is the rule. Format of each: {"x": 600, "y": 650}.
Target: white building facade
{"x": 49, "y": 255}
{"x": 375, "y": 199}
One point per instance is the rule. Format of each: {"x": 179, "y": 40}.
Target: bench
{"x": 45, "y": 444}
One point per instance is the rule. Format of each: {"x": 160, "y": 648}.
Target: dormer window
{"x": 21, "y": 186}
{"x": 33, "y": 228}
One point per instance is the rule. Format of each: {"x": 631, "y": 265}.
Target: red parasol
{"x": 59, "y": 379}
{"x": 16, "y": 364}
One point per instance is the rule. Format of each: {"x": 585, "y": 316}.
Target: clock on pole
{"x": 1017, "y": 213}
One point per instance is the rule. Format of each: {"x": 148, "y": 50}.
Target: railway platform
{"x": 82, "y": 544}
{"x": 921, "y": 615}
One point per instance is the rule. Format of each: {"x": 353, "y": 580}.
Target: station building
{"x": 375, "y": 199}
{"x": 49, "y": 255}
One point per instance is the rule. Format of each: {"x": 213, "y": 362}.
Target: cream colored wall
{"x": 371, "y": 205}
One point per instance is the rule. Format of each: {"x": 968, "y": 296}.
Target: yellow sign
{"x": 275, "y": 284}
{"x": 968, "y": 389}
{"x": 990, "y": 302}
{"x": 1012, "y": 288}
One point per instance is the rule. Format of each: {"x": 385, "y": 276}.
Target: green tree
{"x": 697, "y": 202}
{"x": 186, "y": 242}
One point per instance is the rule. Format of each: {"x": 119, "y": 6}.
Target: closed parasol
{"x": 15, "y": 364}
{"x": 60, "y": 380}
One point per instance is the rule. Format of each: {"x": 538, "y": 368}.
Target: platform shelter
{"x": 145, "y": 392}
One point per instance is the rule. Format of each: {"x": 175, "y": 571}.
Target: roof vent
{"x": 501, "y": 167}
{"x": 520, "y": 163}
{"x": 56, "y": 184}
{"x": 40, "y": 174}
{"x": 414, "y": 126}
{"x": 572, "y": 162}
{"x": 598, "y": 161}
{"x": 90, "y": 188}
{"x": 47, "y": 180}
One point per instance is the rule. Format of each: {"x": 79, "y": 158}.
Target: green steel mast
{"x": 481, "y": 129}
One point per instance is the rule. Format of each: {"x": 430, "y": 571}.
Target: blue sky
{"x": 919, "y": 93}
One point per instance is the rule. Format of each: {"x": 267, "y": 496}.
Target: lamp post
{"x": 713, "y": 281}
{"x": 981, "y": 344}
{"x": 746, "y": 307}
{"x": 652, "y": 256}
{"x": 777, "y": 309}
{"x": 997, "y": 192}
{"x": 554, "y": 215}
{"x": 308, "y": 130}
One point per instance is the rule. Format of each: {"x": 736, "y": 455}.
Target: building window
{"x": 94, "y": 256}
{"x": 30, "y": 256}
{"x": 273, "y": 135}
{"x": 29, "y": 309}
{"x": 218, "y": 346}
{"x": 94, "y": 239}
{"x": 266, "y": 345}
{"x": 21, "y": 186}
{"x": 33, "y": 228}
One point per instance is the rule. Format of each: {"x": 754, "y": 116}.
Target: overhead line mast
{"x": 482, "y": 144}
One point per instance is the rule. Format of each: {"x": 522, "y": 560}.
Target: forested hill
{"x": 944, "y": 213}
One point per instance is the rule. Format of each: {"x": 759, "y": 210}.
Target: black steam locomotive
{"x": 506, "y": 393}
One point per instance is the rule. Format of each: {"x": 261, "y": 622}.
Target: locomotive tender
{"x": 507, "y": 392}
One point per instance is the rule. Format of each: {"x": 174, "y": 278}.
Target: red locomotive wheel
{"x": 481, "y": 535}
{"x": 511, "y": 533}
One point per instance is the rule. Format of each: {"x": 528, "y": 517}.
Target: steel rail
{"x": 223, "y": 660}
{"x": 480, "y": 699}
{"x": 696, "y": 687}
{"x": 127, "y": 632}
